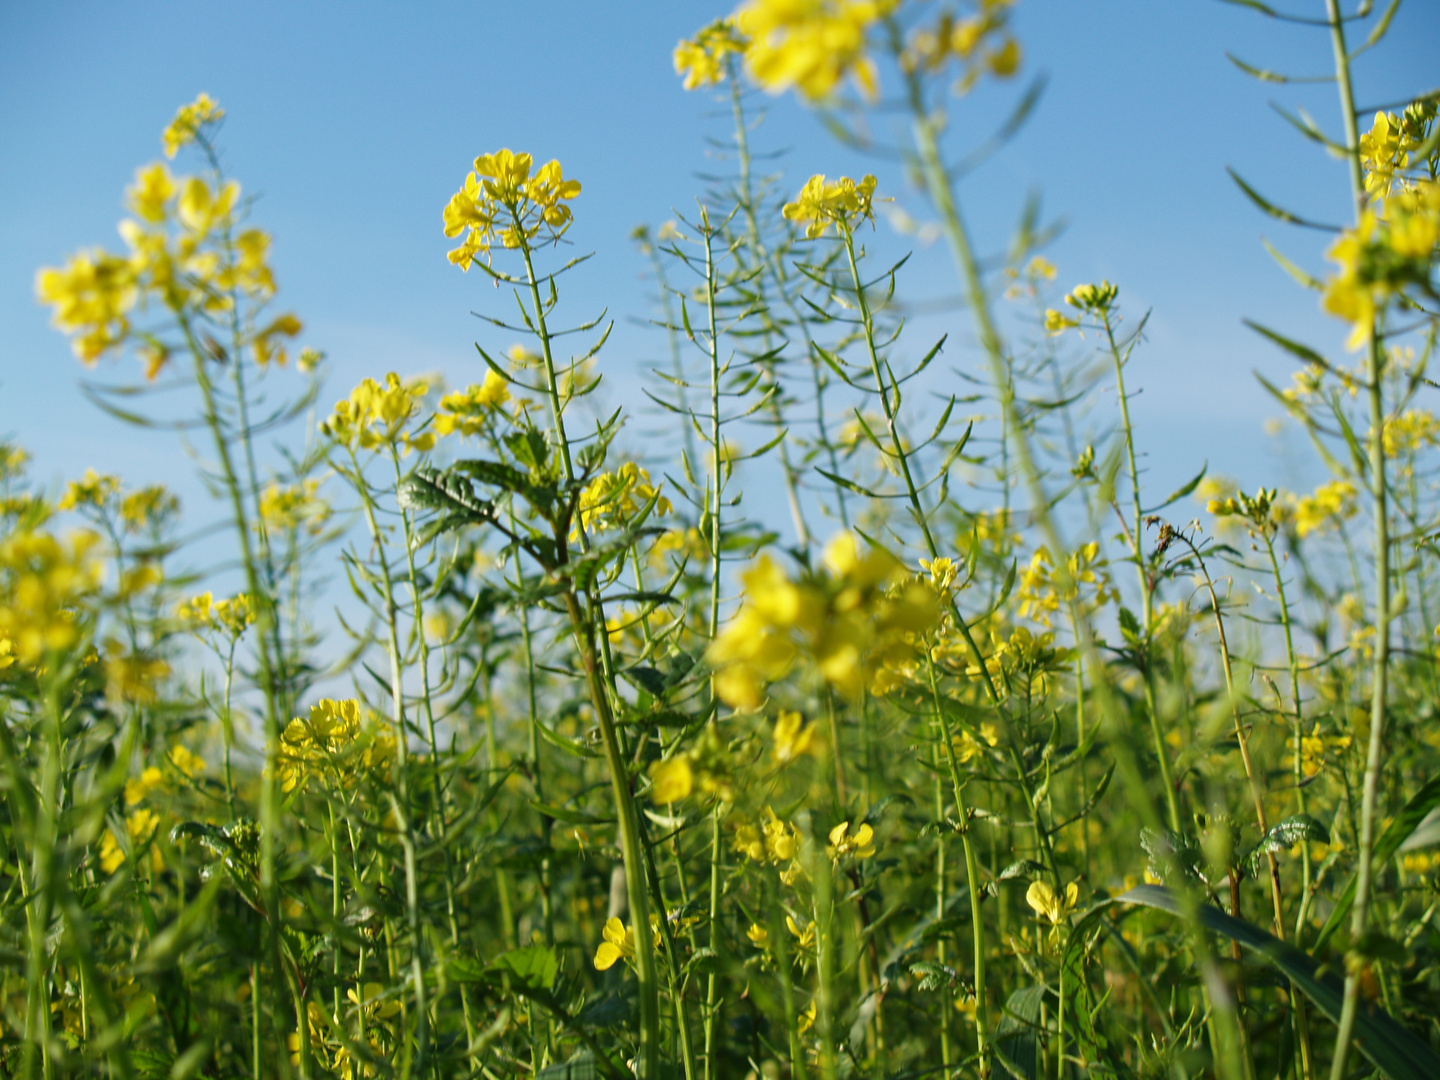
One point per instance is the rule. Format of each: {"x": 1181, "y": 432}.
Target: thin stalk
{"x": 972, "y": 874}
{"x": 1360, "y": 915}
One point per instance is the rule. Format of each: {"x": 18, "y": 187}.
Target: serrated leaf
{"x": 1283, "y": 836}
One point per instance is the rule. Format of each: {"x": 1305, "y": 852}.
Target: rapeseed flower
{"x": 468, "y": 411}
{"x": 849, "y": 619}
{"x": 840, "y": 203}
{"x": 1052, "y": 905}
{"x": 792, "y": 737}
{"x": 45, "y": 585}
{"x": 501, "y": 201}
{"x": 140, "y": 828}
{"x": 189, "y": 122}
{"x": 843, "y": 843}
{"x": 811, "y": 45}
{"x": 705, "y": 59}
{"x": 374, "y": 416}
{"x": 619, "y": 943}
{"x": 614, "y": 499}
{"x": 1329, "y": 504}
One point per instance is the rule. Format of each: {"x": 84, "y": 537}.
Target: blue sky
{"x": 356, "y": 121}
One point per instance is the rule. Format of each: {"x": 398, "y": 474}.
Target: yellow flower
{"x": 132, "y": 676}
{"x": 704, "y": 60}
{"x": 857, "y": 615}
{"x": 967, "y": 749}
{"x": 841, "y": 204}
{"x": 811, "y": 45}
{"x": 153, "y": 190}
{"x": 375, "y": 415}
{"x": 792, "y": 737}
{"x": 782, "y": 842}
{"x": 140, "y": 509}
{"x": 93, "y": 489}
{"x": 188, "y": 122}
{"x": 321, "y": 743}
{"x": 1057, "y": 323}
{"x": 1048, "y": 904}
{"x": 502, "y": 201}
{"x": 192, "y": 765}
{"x": 805, "y": 939}
{"x": 137, "y": 788}
{"x": 806, "y": 1020}
{"x": 469, "y": 410}
{"x": 758, "y": 935}
{"x": 860, "y": 844}
{"x": 140, "y": 828}
{"x": 613, "y": 499}
{"x": 284, "y": 508}
{"x": 1092, "y": 299}
{"x": 1330, "y": 504}
{"x": 44, "y": 585}
{"x": 750, "y": 843}
{"x": 619, "y": 944}
{"x": 671, "y": 781}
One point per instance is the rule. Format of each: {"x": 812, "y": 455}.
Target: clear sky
{"x": 356, "y": 121}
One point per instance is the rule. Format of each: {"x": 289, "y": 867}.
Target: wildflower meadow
{"x": 514, "y": 744}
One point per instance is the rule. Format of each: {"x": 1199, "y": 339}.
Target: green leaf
{"x": 1399, "y": 830}
{"x": 1392, "y": 1049}
{"x": 1017, "y": 1045}
{"x": 1283, "y": 836}
{"x": 431, "y": 489}
{"x": 534, "y": 965}
{"x": 1183, "y": 490}
{"x": 529, "y": 448}
{"x": 1304, "y": 352}
{"x": 1273, "y": 210}
{"x": 849, "y": 485}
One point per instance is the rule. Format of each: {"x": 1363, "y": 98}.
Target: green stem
{"x": 1360, "y": 915}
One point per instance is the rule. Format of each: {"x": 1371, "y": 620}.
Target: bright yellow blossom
{"x": 502, "y": 201}
{"x": 704, "y": 60}
{"x": 44, "y": 584}
{"x": 613, "y": 499}
{"x": 792, "y": 737}
{"x": 140, "y": 828}
{"x": 859, "y": 844}
{"x": 811, "y": 45}
{"x": 841, "y": 204}
{"x": 189, "y": 121}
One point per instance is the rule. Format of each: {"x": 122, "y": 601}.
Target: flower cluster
{"x": 468, "y": 411}
{"x": 1262, "y": 511}
{"x": 190, "y": 122}
{"x": 204, "y": 612}
{"x": 980, "y": 42}
{"x": 840, "y": 203}
{"x": 328, "y": 744}
{"x": 374, "y": 416}
{"x": 140, "y": 829}
{"x": 1042, "y": 590}
{"x": 186, "y": 254}
{"x": 844, "y": 619}
{"x": 847, "y": 845}
{"x": 1330, "y": 503}
{"x": 287, "y": 507}
{"x": 44, "y": 584}
{"x": 811, "y": 45}
{"x": 1392, "y": 249}
{"x": 614, "y": 499}
{"x": 1386, "y": 148}
{"x": 772, "y": 842}
{"x": 501, "y": 201}
{"x": 705, "y": 59}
